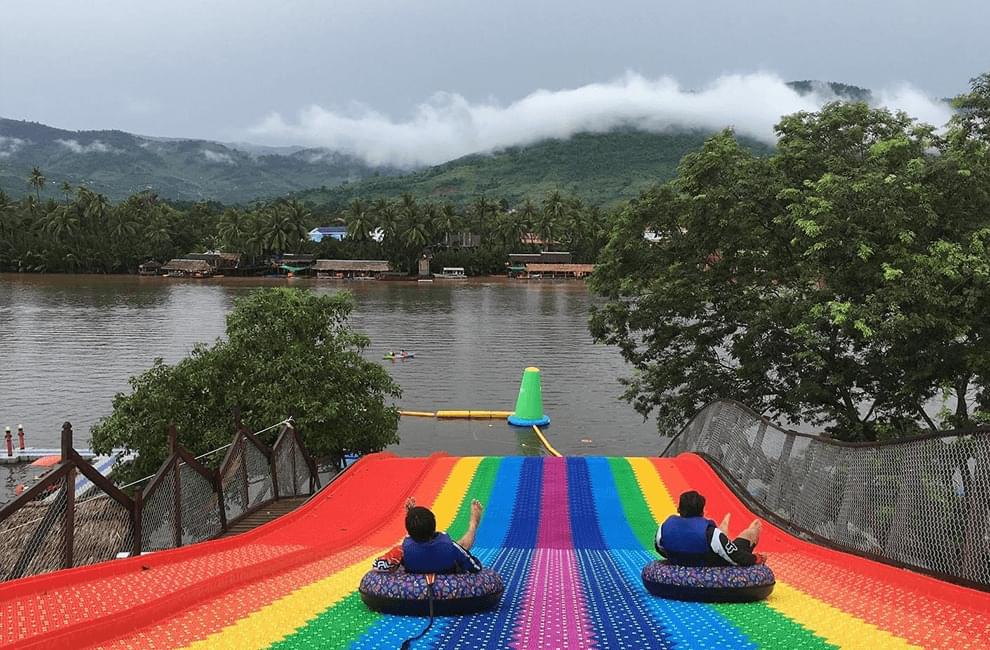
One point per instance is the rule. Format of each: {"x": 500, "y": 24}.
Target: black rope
{"x": 429, "y": 593}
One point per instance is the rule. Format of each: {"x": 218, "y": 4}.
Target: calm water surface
{"x": 69, "y": 343}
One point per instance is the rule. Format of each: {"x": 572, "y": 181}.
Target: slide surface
{"x": 568, "y": 535}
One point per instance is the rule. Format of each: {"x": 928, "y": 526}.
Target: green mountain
{"x": 119, "y": 164}
{"x": 601, "y": 168}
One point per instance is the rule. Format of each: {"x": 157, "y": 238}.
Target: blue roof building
{"x": 335, "y": 232}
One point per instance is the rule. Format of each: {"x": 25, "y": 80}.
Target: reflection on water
{"x": 68, "y": 343}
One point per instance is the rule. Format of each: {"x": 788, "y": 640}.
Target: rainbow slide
{"x": 568, "y": 535}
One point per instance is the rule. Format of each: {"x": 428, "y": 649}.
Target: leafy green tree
{"x": 287, "y": 351}
{"x": 837, "y": 281}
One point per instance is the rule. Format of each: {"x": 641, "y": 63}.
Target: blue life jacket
{"x": 439, "y": 555}
{"x": 685, "y": 540}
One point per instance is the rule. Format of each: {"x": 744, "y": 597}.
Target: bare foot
{"x": 410, "y": 503}
{"x": 476, "y": 510}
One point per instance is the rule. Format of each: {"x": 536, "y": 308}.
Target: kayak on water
{"x": 393, "y": 356}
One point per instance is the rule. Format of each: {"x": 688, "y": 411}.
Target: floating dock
{"x": 568, "y": 535}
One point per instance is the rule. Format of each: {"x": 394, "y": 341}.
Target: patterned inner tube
{"x": 398, "y": 592}
{"x": 709, "y": 584}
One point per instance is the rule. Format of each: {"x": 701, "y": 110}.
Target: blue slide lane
{"x": 619, "y": 615}
{"x": 686, "y": 624}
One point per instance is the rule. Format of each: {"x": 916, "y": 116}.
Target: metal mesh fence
{"x": 234, "y": 483}
{"x": 32, "y": 538}
{"x": 183, "y": 507}
{"x": 924, "y": 503}
{"x": 302, "y": 474}
{"x": 259, "y": 475}
{"x": 102, "y": 529}
{"x": 200, "y": 507}
{"x": 284, "y": 459}
{"x": 158, "y": 516}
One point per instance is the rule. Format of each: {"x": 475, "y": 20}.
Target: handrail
{"x": 174, "y": 507}
{"x": 920, "y": 502}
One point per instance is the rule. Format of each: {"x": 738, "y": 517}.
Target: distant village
{"x": 544, "y": 264}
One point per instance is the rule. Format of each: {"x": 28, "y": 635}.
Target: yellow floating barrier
{"x": 549, "y": 447}
{"x": 418, "y": 414}
{"x": 474, "y": 415}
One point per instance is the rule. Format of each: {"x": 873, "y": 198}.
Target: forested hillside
{"x": 118, "y": 164}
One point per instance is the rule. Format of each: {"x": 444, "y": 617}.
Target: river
{"x": 68, "y": 343}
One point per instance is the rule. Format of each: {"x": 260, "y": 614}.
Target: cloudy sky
{"x": 425, "y": 80}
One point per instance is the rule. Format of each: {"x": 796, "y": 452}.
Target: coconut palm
{"x": 66, "y": 191}
{"x": 233, "y": 229}
{"x": 446, "y": 222}
{"x": 360, "y": 221}
{"x": 281, "y": 229}
{"x": 37, "y": 181}
{"x": 62, "y": 224}
{"x": 552, "y": 217}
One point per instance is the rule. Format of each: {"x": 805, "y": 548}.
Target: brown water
{"x": 68, "y": 344}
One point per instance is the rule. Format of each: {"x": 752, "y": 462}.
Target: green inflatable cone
{"x": 529, "y": 404}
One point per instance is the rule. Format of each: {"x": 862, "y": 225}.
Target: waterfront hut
{"x": 151, "y": 267}
{"x": 539, "y": 270}
{"x": 351, "y": 268}
{"x": 186, "y": 268}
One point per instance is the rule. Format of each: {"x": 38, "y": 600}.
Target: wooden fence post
{"x": 68, "y": 523}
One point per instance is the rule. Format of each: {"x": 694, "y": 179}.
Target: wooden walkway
{"x": 263, "y": 515}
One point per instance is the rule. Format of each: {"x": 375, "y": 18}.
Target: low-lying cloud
{"x": 93, "y": 147}
{"x": 449, "y": 126}
{"x": 218, "y": 157}
{"x": 9, "y": 146}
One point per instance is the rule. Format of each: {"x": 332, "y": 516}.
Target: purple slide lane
{"x": 554, "y": 613}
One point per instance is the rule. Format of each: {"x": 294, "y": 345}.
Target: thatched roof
{"x": 188, "y": 266}
{"x": 102, "y": 529}
{"x": 365, "y": 266}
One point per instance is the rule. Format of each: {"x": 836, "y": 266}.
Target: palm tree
{"x": 281, "y": 229}
{"x": 360, "y": 221}
{"x": 446, "y": 222}
{"x": 67, "y": 191}
{"x": 481, "y": 208}
{"x": 37, "y": 181}
{"x": 62, "y": 224}
{"x": 232, "y": 229}
{"x": 553, "y": 215}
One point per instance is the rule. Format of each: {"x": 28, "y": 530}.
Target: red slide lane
{"x": 894, "y": 599}
{"x": 85, "y": 604}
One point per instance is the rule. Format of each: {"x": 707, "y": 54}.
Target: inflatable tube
{"x": 418, "y": 414}
{"x": 399, "y": 357}
{"x": 733, "y": 584}
{"x": 405, "y": 594}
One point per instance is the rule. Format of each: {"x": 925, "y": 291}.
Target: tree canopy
{"x": 841, "y": 281}
{"x": 287, "y": 352}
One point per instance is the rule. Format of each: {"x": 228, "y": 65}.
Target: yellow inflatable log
{"x": 418, "y": 414}
{"x": 482, "y": 415}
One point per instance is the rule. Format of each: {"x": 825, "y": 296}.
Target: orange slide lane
{"x": 92, "y": 604}
{"x": 922, "y": 610}
{"x": 209, "y": 616}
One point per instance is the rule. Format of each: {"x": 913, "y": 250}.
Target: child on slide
{"x": 426, "y": 550}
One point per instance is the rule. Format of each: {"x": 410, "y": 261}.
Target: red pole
{"x": 20, "y": 437}
{"x": 9, "y": 440}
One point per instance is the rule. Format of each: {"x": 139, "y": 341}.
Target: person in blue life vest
{"x": 426, "y": 550}
{"x": 690, "y": 539}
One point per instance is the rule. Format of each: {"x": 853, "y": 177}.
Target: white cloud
{"x": 10, "y": 146}
{"x": 218, "y": 157}
{"x": 448, "y": 126}
{"x": 93, "y": 147}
